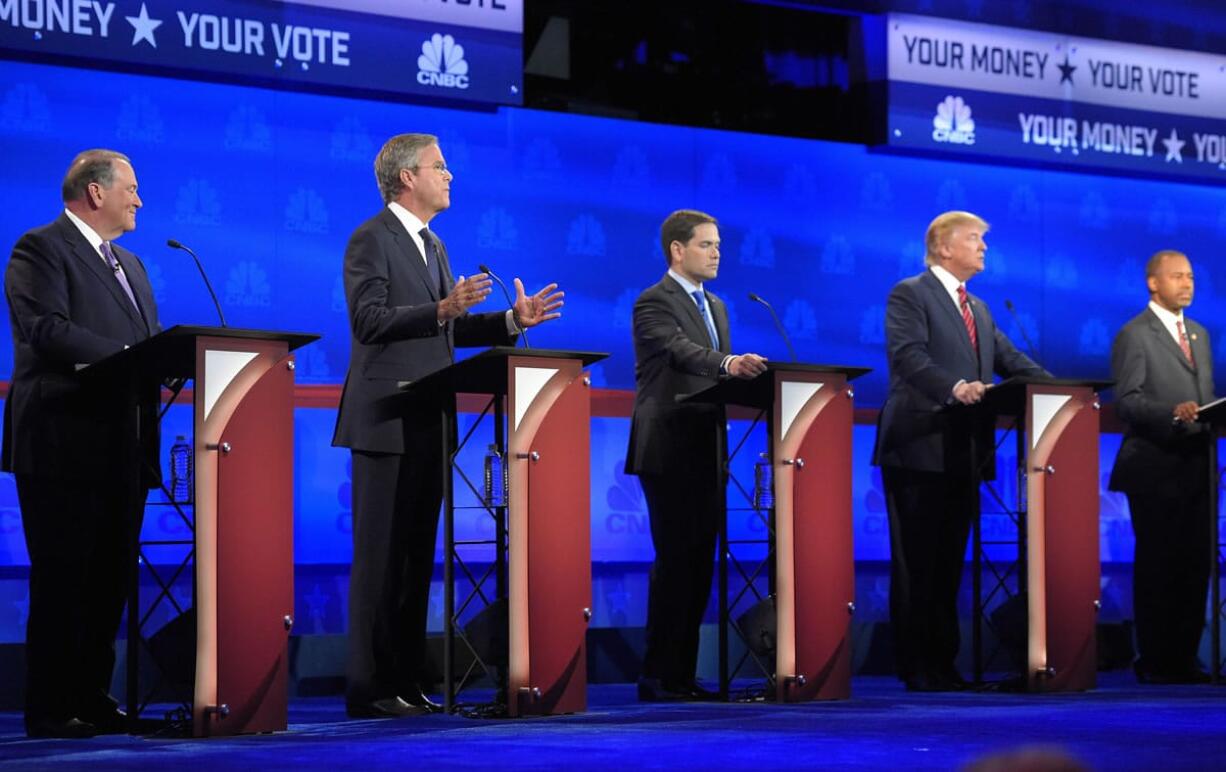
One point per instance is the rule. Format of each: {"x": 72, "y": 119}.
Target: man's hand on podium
{"x": 746, "y": 366}
{"x": 969, "y": 393}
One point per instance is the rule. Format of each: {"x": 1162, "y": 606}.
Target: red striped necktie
{"x": 967, "y": 317}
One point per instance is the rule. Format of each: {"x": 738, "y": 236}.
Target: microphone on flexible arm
{"x": 176, "y": 245}
{"x": 778, "y": 324}
{"x": 1022, "y": 328}
{"x": 510, "y": 303}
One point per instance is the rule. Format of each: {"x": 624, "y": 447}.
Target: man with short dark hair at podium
{"x": 1163, "y": 368}
{"x": 943, "y": 348}
{"x": 681, "y": 346}
{"x": 406, "y": 314}
{"x": 75, "y": 297}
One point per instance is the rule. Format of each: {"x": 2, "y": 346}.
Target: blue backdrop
{"x": 267, "y": 185}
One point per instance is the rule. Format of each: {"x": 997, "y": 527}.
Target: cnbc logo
{"x": 442, "y": 63}
{"x": 953, "y": 122}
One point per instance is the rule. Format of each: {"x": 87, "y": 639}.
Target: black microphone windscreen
{"x": 173, "y": 244}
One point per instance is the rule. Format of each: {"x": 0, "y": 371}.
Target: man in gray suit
{"x": 1163, "y": 369}
{"x": 407, "y": 314}
{"x": 943, "y": 349}
{"x": 681, "y": 346}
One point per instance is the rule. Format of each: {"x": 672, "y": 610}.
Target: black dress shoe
{"x": 417, "y": 698}
{"x": 655, "y": 690}
{"x": 112, "y": 721}
{"x": 699, "y": 692}
{"x": 388, "y": 707}
{"x": 931, "y": 682}
{"x": 67, "y": 729}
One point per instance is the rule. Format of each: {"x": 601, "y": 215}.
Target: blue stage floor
{"x": 1119, "y": 726}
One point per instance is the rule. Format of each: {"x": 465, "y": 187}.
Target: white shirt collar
{"x": 1169, "y": 319}
{"x": 412, "y": 223}
{"x": 89, "y": 233}
{"x": 687, "y": 285}
{"x": 948, "y": 281}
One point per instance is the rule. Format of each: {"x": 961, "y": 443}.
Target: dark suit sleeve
{"x": 38, "y": 295}
{"x": 373, "y": 319}
{"x": 907, "y": 340}
{"x": 656, "y": 333}
{"x": 1130, "y": 369}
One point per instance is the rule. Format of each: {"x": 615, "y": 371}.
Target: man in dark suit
{"x": 407, "y": 314}
{"x": 681, "y": 346}
{"x": 75, "y": 298}
{"x": 943, "y": 348}
{"x": 1163, "y": 368}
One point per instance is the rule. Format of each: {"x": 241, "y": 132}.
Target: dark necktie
{"x": 1183, "y": 343}
{"x": 432, "y": 267}
{"x": 967, "y": 317}
{"x": 701, "y": 300}
{"x": 109, "y": 256}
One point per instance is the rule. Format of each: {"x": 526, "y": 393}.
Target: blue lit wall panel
{"x": 268, "y": 185}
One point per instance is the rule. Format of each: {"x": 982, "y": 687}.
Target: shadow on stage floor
{"x": 1118, "y": 726}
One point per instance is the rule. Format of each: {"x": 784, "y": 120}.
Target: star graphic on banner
{"x": 143, "y": 27}
{"x": 1066, "y": 71}
{"x": 1174, "y": 147}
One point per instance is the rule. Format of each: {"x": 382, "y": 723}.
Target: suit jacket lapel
{"x": 689, "y": 310}
{"x": 1167, "y": 341}
{"x": 983, "y": 332}
{"x": 406, "y": 245}
{"x": 941, "y": 299}
{"x": 93, "y": 261}
{"x": 131, "y": 269}
{"x": 719, "y": 312}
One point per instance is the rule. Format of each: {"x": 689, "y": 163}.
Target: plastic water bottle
{"x": 763, "y": 483}
{"x": 181, "y": 471}
{"x": 495, "y": 478}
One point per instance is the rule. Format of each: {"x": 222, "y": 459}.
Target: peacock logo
{"x": 442, "y": 63}
{"x": 953, "y": 122}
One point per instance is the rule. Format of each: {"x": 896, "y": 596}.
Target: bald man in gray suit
{"x": 1163, "y": 368}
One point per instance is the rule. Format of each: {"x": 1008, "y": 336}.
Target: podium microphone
{"x": 1022, "y": 329}
{"x": 778, "y": 324}
{"x": 176, "y": 245}
{"x": 510, "y": 303}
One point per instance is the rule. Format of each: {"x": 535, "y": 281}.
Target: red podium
{"x": 545, "y": 401}
{"x": 808, "y": 411}
{"x": 1057, "y": 433}
{"x": 243, "y": 520}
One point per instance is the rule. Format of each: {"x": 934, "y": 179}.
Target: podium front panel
{"x": 549, "y": 565}
{"x": 244, "y": 535}
{"x": 1063, "y": 569}
{"x": 815, "y": 574}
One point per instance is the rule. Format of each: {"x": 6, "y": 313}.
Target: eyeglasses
{"x": 437, "y": 166}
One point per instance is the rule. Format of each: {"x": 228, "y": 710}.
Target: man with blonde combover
{"x": 943, "y": 348}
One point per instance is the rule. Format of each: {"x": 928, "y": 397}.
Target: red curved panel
{"x": 825, "y": 571}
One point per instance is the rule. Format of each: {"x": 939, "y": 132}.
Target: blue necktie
{"x": 701, "y": 300}
{"x": 432, "y": 267}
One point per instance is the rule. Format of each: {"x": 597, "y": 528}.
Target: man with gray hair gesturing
{"x": 406, "y": 314}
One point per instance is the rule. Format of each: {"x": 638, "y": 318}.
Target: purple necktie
{"x": 109, "y": 256}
